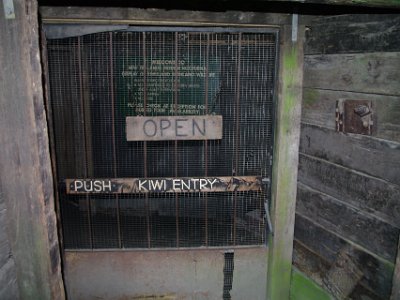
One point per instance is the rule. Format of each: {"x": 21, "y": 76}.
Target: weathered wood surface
{"x": 361, "y": 3}
{"x": 163, "y": 185}
{"x": 353, "y": 34}
{"x": 396, "y": 277}
{"x": 25, "y": 173}
{"x": 8, "y": 276}
{"x": 284, "y": 174}
{"x": 171, "y": 128}
{"x": 370, "y": 3}
{"x": 378, "y": 158}
{"x": 326, "y": 245}
{"x": 347, "y": 222}
{"x": 319, "y": 109}
{"x": 372, "y": 195}
{"x": 159, "y": 17}
{"x": 374, "y": 73}
{"x": 351, "y": 183}
{"x": 310, "y": 263}
{"x": 343, "y": 275}
{"x": 315, "y": 267}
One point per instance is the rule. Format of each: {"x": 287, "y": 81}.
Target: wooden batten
{"x": 163, "y": 185}
{"x": 284, "y": 176}
{"x": 26, "y": 175}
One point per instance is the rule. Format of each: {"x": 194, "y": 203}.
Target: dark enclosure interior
{"x": 97, "y": 80}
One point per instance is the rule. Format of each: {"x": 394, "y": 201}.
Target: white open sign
{"x": 208, "y": 127}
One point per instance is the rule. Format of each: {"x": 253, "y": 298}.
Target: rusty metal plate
{"x": 354, "y": 116}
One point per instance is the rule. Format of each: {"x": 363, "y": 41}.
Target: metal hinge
{"x": 266, "y": 183}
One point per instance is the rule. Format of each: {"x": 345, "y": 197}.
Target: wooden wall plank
{"x": 379, "y": 158}
{"x": 351, "y": 57}
{"x": 377, "y": 272}
{"x": 284, "y": 172}
{"x": 319, "y": 109}
{"x": 25, "y": 171}
{"x": 353, "y": 34}
{"x": 375, "y": 73}
{"x": 158, "y": 17}
{"x": 359, "y": 3}
{"x": 347, "y": 222}
{"x": 372, "y": 195}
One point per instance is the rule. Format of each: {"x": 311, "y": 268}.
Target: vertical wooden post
{"x": 396, "y": 277}
{"x": 284, "y": 173}
{"x": 25, "y": 168}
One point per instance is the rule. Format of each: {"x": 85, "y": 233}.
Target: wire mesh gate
{"x": 97, "y": 80}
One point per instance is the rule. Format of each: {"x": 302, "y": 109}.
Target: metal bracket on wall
{"x": 354, "y": 116}
{"x": 266, "y": 185}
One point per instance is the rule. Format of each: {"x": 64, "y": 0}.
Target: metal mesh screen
{"x": 97, "y": 80}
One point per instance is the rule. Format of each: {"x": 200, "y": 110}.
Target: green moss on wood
{"x": 310, "y": 97}
{"x": 303, "y": 288}
{"x": 280, "y": 263}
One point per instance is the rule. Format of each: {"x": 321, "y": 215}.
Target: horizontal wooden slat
{"x": 376, "y": 157}
{"x": 167, "y": 128}
{"x": 372, "y": 195}
{"x": 158, "y": 17}
{"x": 348, "y": 222}
{"x": 163, "y": 185}
{"x": 354, "y": 33}
{"x": 376, "y": 73}
{"x": 377, "y": 272}
{"x": 319, "y": 109}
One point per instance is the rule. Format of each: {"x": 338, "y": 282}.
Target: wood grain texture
{"x": 323, "y": 243}
{"x": 8, "y": 281}
{"x": 172, "y": 128}
{"x": 376, "y": 157}
{"x": 315, "y": 267}
{"x": 352, "y": 224}
{"x": 396, "y": 278}
{"x": 25, "y": 176}
{"x": 309, "y": 262}
{"x": 371, "y": 195}
{"x": 375, "y": 73}
{"x": 319, "y": 109}
{"x": 284, "y": 174}
{"x": 159, "y": 17}
{"x": 366, "y": 3}
{"x": 353, "y": 34}
{"x": 8, "y": 275}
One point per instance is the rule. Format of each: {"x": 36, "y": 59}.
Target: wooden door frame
{"x": 287, "y": 111}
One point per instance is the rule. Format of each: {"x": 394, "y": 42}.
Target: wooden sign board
{"x": 163, "y": 185}
{"x": 165, "y": 128}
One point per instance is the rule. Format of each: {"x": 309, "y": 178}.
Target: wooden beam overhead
{"x": 365, "y": 3}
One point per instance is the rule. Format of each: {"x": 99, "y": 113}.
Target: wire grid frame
{"x": 97, "y": 80}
